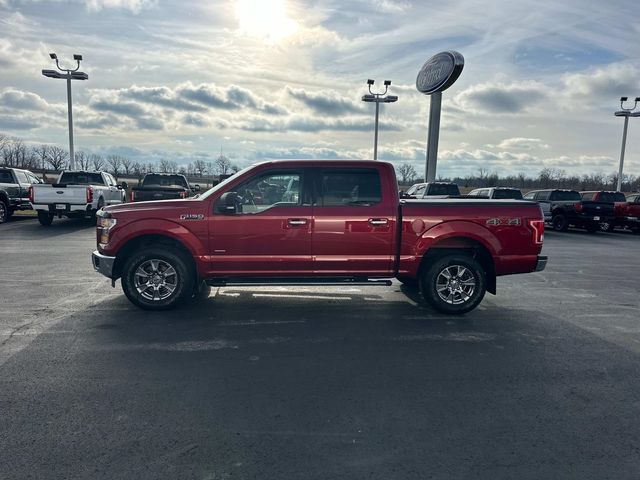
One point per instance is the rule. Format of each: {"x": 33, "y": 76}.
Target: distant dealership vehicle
{"x": 162, "y": 186}
{"x": 617, "y": 199}
{"x": 14, "y": 190}
{"x": 76, "y": 194}
{"x": 631, "y": 213}
{"x": 317, "y": 222}
{"x": 432, "y": 189}
{"x": 497, "y": 193}
{"x": 566, "y": 208}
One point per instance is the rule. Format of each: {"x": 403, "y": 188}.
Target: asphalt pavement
{"x": 541, "y": 381}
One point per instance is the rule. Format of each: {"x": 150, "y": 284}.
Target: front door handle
{"x": 378, "y": 222}
{"x": 297, "y": 222}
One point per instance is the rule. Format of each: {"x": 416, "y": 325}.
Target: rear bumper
{"x": 103, "y": 264}
{"x": 68, "y": 207}
{"x": 541, "y": 263}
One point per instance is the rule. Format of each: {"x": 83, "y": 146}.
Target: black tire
{"x": 45, "y": 218}
{"x": 459, "y": 267}
{"x": 94, "y": 212}
{"x": 607, "y": 226}
{"x": 559, "y": 223}
{"x": 182, "y": 281}
{"x": 4, "y": 211}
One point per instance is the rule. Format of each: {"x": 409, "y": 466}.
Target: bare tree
{"x": 58, "y": 158}
{"x": 83, "y": 160}
{"x": 41, "y": 153}
{"x": 407, "y": 172}
{"x": 97, "y": 161}
{"x": 115, "y": 163}
{"x": 199, "y": 167}
{"x": 126, "y": 165}
{"x": 222, "y": 164}
{"x": 164, "y": 165}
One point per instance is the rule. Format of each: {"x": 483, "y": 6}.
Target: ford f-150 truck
{"x": 162, "y": 186}
{"x": 316, "y": 222}
{"x": 616, "y": 199}
{"x": 566, "y": 207}
{"x": 76, "y": 194}
{"x": 14, "y": 190}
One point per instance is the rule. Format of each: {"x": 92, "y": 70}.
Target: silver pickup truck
{"x": 76, "y": 194}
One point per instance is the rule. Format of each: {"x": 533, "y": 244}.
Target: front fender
{"x": 154, "y": 226}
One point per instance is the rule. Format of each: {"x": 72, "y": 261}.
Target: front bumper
{"x": 103, "y": 264}
{"x": 541, "y": 263}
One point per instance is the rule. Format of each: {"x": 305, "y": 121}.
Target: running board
{"x": 283, "y": 282}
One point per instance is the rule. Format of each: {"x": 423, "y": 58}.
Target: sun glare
{"x": 265, "y": 19}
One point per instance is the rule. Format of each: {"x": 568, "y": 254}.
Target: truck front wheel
{"x": 157, "y": 278}
{"x": 454, "y": 284}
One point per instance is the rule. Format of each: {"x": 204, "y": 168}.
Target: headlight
{"x": 106, "y": 223}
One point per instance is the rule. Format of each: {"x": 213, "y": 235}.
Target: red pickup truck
{"x": 316, "y": 222}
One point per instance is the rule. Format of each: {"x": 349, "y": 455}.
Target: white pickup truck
{"x": 76, "y": 194}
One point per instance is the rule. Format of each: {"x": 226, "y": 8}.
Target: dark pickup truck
{"x": 617, "y": 199}
{"x": 14, "y": 191}
{"x": 162, "y": 186}
{"x": 566, "y": 208}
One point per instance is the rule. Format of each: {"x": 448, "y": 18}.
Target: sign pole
{"x": 433, "y": 135}
{"x": 436, "y": 75}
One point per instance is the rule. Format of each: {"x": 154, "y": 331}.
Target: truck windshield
{"x": 508, "y": 193}
{"x": 81, "y": 178}
{"x": 443, "y": 189}
{"x": 153, "y": 180}
{"x": 612, "y": 197}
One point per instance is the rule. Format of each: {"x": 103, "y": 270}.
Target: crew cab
{"x": 162, "y": 186}
{"x": 496, "y": 193}
{"x": 617, "y": 199}
{"x": 432, "y": 189}
{"x": 76, "y": 194}
{"x": 631, "y": 213}
{"x": 14, "y": 190}
{"x": 564, "y": 208}
{"x": 319, "y": 222}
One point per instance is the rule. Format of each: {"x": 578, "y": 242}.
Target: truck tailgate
{"x": 52, "y": 194}
{"x": 597, "y": 209}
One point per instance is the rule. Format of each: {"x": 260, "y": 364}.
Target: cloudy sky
{"x": 181, "y": 79}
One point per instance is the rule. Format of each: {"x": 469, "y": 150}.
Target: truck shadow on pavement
{"x": 58, "y": 227}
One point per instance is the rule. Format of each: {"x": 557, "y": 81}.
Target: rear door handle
{"x": 377, "y": 222}
{"x": 297, "y": 222}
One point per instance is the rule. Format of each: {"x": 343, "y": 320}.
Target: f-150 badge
{"x": 192, "y": 216}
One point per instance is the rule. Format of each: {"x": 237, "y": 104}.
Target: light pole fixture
{"x": 378, "y": 98}
{"x": 626, "y": 113}
{"x": 68, "y": 74}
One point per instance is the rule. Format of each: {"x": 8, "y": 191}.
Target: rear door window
{"x": 543, "y": 195}
{"x": 612, "y": 197}
{"x": 5, "y": 176}
{"x": 587, "y": 196}
{"x": 342, "y": 188}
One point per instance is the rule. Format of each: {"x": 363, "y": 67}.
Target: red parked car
{"x": 320, "y": 222}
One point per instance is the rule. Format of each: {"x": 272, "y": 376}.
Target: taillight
{"x": 89, "y": 194}
{"x": 133, "y": 196}
{"x": 31, "y": 193}
{"x": 537, "y": 226}
{"x": 578, "y": 207}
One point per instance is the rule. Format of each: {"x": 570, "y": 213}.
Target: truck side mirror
{"x": 196, "y": 188}
{"x": 227, "y": 203}
{"x": 124, "y": 185}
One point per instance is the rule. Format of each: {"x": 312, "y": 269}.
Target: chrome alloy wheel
{"x": 455, "y": 284}
{"x": 155, "y": 279}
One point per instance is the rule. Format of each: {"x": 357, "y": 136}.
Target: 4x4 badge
{"x": 192, "y": 216}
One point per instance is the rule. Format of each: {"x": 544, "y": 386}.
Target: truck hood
{"x": 151, "y": 206}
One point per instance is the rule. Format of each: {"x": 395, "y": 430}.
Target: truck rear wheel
{"x": 559, "y": 223}
{"x": 157, "y": 278}
{"x": 4, "y": 212}
{"x": 45, "y": 218}
{"x": 454, "y": 284}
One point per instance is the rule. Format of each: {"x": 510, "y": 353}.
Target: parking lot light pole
{"x": 378, "y": 98}
{"x": 69, "y": 74}
{"x": 626, "y": 113}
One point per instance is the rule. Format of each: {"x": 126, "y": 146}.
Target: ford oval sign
{"x": 440, "y": 72}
